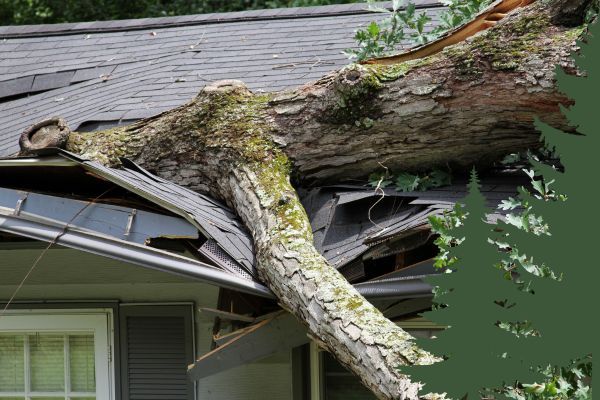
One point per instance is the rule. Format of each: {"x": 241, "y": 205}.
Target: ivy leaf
{"x": 396, "y": 4}
{"x": 515, "y": 220}
{"x": 563, "y": 385}
{"x": 421, "y": 21}
{"x": 539, "y": 187}
{"x": 583, "y": 393}
{"x": 529, "y": 172}
{"x": 577, "y": 372}
{"x": 407, "y": 182}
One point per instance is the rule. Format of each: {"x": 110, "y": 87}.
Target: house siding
{"x": 270, "y": 378}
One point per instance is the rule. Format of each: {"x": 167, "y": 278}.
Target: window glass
{"x": 81, "y": 363}
{"x": 47, "y": 355}
{"x": 11, "y": 364}
{"x": 43, "y": 358}
{"x": 50, "y": 354}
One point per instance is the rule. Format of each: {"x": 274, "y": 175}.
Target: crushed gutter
{"x": 129, "y": 252}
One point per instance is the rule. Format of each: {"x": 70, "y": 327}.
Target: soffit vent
{"x": 213, "y": 251}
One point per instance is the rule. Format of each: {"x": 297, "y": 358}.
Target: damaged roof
{"x": 228, "y": 244}
{"x": 101, "y": 74}
{"x": 352, "y": 225}
{"x": 98, "y": 74}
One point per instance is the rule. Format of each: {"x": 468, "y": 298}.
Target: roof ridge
{"x": 21, "y": 31}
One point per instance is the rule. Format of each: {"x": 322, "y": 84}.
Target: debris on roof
{"x": 381, "y": 243}
{"x": 355, "y": 225}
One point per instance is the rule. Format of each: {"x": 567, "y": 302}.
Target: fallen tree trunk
{"x": 469, "y": 104}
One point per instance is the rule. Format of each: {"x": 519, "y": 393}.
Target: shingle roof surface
{"x": 93, "y": 73}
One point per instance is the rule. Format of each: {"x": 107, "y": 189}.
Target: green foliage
{"x": 405, "y": 26}
{"x": 403, "y": 23}
{"x": 14, "y": 12}
{"x": 459, "y": 12}
{"x": 567, "y": 237}
{"x": 406, "y": 182}
{"x": 568, "y": 383}
{"x": 443, "y": 226}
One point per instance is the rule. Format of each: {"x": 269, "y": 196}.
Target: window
{"x": 54, "y": 356}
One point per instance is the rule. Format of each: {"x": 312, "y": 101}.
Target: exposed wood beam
{"x": 280, "y": 332}
{"x": 225, "y": 315}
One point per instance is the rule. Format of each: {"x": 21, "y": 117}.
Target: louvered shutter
{"x": 156, "y": 350}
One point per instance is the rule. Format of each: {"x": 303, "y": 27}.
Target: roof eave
{"x": 131, "y": 253}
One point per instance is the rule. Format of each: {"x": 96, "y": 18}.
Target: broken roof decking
{"x": 345, "y": 230}
{"x": 349, "y": 221}
{"x": 217, "y": 222}
{"x": 55, "y": 226}
{"x": 99, "y": 73}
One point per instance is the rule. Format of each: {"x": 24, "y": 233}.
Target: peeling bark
{"x": 471, "y": 103}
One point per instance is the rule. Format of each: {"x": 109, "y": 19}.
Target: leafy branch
{"x": 405, "y": 27}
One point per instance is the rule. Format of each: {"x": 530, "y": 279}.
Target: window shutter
{"x": 157, "y": 348}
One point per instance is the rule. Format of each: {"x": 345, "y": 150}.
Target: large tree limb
{"x": 471, "y": 103}
{"x": 447, "y": 109}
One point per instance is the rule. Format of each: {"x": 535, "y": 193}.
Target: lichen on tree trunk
{"x": 469, "y": 104}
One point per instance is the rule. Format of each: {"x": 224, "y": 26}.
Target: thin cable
{"x": 52, "y": 242}
{"x": 378, "y": 190}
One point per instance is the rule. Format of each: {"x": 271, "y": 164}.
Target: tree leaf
{"x": 407, "y": 182}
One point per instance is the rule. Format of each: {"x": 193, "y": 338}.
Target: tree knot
{"x": 226, "y": 86}
{"x": 48, "y": 133}
{"x": 352, "y": 96}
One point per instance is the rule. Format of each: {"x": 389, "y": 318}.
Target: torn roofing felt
{"x": 100, "y": 74}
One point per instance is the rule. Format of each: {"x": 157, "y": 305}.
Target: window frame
{"x": 64, "y": 322}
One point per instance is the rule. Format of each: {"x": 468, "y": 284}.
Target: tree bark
{"x": 470, "y": 104}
